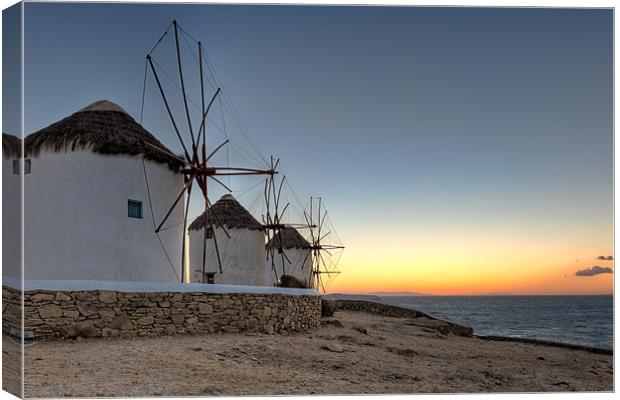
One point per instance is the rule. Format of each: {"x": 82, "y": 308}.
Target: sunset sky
{"x": 460, "y": 151}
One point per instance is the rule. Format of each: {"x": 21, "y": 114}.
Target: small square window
{"x": 27, "y": 166}
{"x": 134, "y": 209}
{"x": 209, "y": 233}
{"x": 210, "y": 278}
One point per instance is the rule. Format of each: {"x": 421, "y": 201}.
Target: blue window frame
{"x": 134, "y": 209}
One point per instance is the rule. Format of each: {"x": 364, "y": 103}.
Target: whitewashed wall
{"x": 11, "y": 209}
{"x": 243, "y": 256}
{"x": 294, "y": 268}
{"x": 76, "y": 223}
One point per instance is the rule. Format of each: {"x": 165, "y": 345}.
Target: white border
{"x": 461, "y": 3}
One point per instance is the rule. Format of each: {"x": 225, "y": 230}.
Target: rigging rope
{"x": 233, "y": 110}
{"x": 148, "y": 192}
{"x": 213, "y": 123}
{"x": 227, "y": 147}
{"x": 243, "y": 192}
{"x": 218, "y": 83}
{"x": 160, "y": 39}
{"x": 226, "y": 104}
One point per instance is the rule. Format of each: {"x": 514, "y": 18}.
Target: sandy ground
{"x": 11, "y": 366}
{"x": 351, "y": 353}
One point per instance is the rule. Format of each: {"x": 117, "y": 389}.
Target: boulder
{"x": 106, "y": 313}
{"x": 79, "y": 329}
{"x": 170, "y": 330}
{"x": 204, "y": 308}
{"x": 42, "y": 297}
{"x": 145, "y": 321}
{"x": 120, "y": 322}
{"x": 75, "y": 314}
{"x": 106, "y": 296}
{"x": 86, "y": 310}
{"x": 60, "y": 296}
{"x": 50, "y": 311}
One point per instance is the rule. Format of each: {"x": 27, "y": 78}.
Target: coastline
{"x": 412, "y": 310}
{"x": 570, "y": 346}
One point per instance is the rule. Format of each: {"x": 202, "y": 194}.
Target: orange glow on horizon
{"x": 477, "y": 264}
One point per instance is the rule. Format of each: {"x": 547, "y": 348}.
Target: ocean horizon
{"x": 585, "y": 320}
{"x": 576, "y": 319}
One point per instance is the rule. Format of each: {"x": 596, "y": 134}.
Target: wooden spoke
{"x": 284, "y": 210}
{"x": 204, "y": 116}
{"x": 331, "y": 247}
{"x": 322, "y": 222}
{"x": 303, "y": 263}
{"x": 163, "y": 96}
{"x": 216, "y": 149}
{"x": 176, "y": 201}
{"x": 217, "y": 220}
{"x": 266, "y": 197}
{"x": 310, "y": 226}
{"x": 280, "y": 190}
{"x": 322, "y": 260}
{"x": 168, "y": 153}
{"x": 202, "y": 90}
{"x": 255, "y": 170}
{"x": 189, "y": 121}
{"x": 217, "y": 250}
{"x": 319, "y": 229}
{"x": 221, "y": 183}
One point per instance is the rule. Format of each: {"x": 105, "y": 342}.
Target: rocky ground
{"x": 351, "y": 353}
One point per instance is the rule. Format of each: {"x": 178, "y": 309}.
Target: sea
{"x": 582, "y": 320}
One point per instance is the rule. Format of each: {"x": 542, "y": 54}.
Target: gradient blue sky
{"x": 412, "y": 122}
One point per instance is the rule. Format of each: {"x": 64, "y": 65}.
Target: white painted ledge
{"x": 137, "y": 287}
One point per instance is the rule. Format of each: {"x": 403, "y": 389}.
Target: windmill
{"x": 198, "y": 168}
{"x": 325, "y": 246}
{"x": 274, "y": 222}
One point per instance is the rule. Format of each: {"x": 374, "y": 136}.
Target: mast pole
{"x": 202, "y": 130}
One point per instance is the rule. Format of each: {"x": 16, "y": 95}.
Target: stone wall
{"x": 103, "y": 313}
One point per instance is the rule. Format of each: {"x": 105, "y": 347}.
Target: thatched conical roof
{"x": 103, "y": 127}
{"x": 11, "y": 146}
{"x": 229, "y": 213}
{"x": 291, "y": 239}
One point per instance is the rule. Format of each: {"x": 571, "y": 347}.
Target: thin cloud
{"x": 605, "y": 258}
{"x": 594, "y": 271}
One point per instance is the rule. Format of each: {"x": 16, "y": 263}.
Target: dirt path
{"x": 351, "y": 353}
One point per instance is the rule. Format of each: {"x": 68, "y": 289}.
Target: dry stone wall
{"x": 102, "y": 313}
